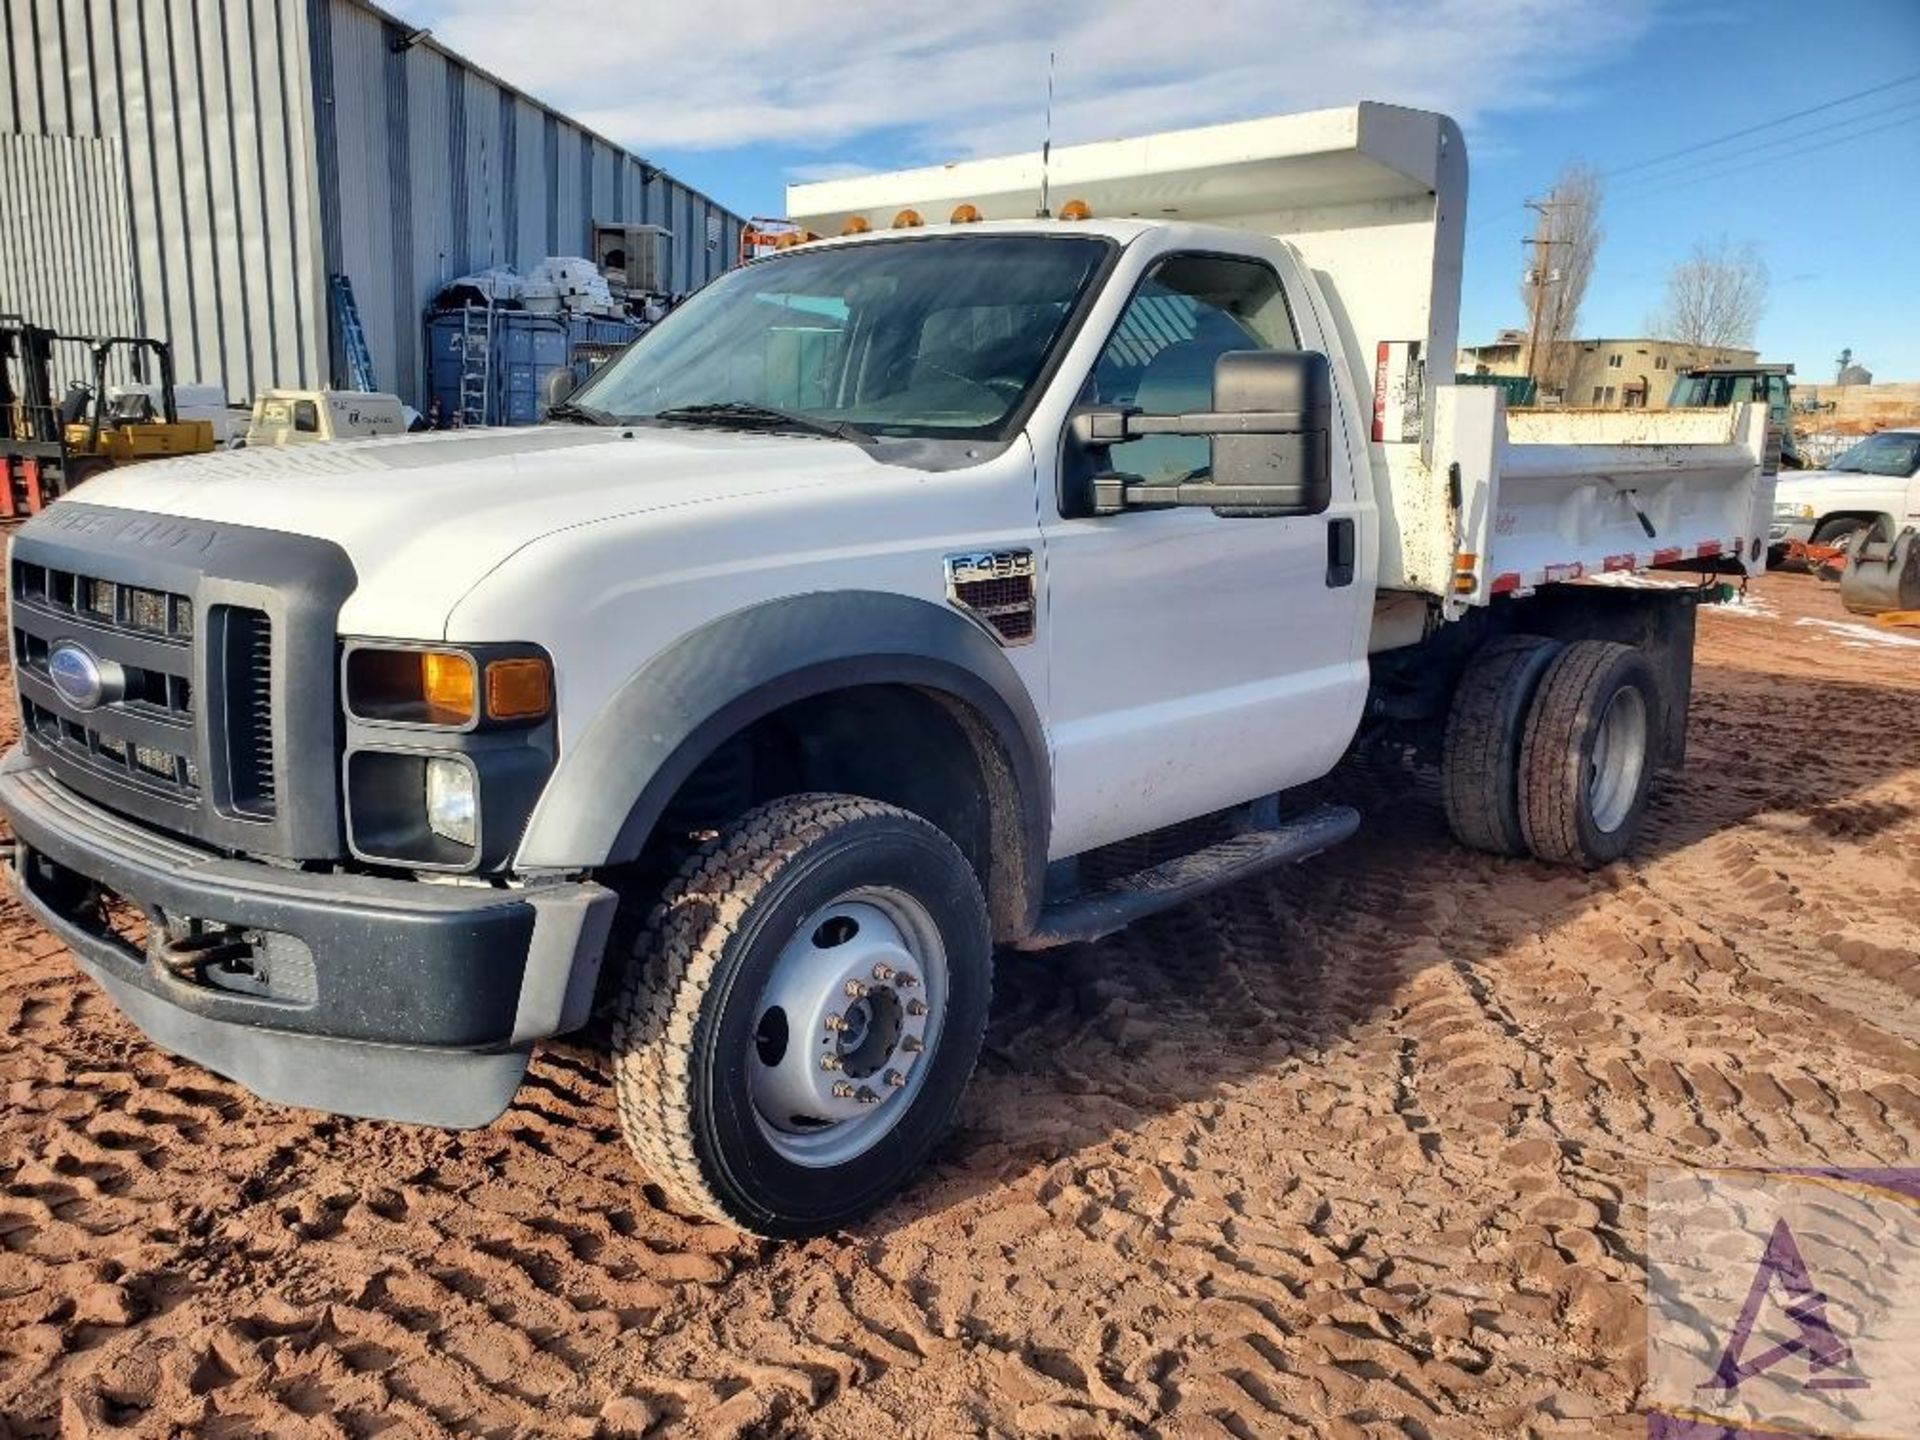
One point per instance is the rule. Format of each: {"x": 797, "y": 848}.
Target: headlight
{"x": 453, "y": 806}
{"x": 444, "y": 688}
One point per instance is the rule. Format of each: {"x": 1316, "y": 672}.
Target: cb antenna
{"x": 1046, "y": 144}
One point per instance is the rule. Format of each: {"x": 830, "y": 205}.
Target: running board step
{"x": 1187, "y": 877}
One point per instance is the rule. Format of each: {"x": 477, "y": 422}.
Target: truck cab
{"x": 830, "y": 640}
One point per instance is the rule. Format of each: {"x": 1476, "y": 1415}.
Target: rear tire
{"x": 739, "y": 987}
{"x": 1587, "y": 764}
{"x": 1486, "y": 727}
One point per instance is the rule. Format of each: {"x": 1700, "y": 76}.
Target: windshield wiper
{"x": 567, "y": 411}
{"x": 746, "y": 415}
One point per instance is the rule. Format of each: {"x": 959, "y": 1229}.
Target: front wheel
{"x": 801, "y": 1014}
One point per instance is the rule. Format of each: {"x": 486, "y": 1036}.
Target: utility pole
{"x": 1542, "y": 241}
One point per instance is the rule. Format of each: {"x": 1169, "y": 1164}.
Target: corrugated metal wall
{"x": 157, "y": 153}
{"x": 258, "y": 146}
{"x": 442, "y": 169}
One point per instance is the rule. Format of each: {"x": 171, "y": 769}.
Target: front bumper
{"x": 393, "y": 999}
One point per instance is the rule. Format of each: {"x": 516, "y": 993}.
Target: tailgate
{"x": 1548, "y": 496}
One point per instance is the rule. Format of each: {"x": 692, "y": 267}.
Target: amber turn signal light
{"x": 518, "y": 689}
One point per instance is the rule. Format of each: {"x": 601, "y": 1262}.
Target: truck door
{"x": 1198, "y": 661}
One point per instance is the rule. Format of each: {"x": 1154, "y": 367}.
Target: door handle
{"x": 1340, "y": 542}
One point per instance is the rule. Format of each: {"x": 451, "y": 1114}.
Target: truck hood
{"x": 425, "y": 517}
{"x": 1825, "y": 489}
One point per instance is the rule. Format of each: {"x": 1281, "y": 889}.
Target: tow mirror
{"x": 1270, "y": 425}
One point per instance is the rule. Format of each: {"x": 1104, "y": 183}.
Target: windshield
{"x": 943, "y": 336}
{"x": 1897, "y": 455}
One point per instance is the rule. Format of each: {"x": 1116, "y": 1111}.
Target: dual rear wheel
{"x": 1550, "y": 749}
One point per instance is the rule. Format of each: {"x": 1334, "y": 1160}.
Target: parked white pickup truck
{"x": 830, "y": 635}
{"x": 1875, "y": 483}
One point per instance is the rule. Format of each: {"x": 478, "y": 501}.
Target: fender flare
{"x": 614, "y": 782}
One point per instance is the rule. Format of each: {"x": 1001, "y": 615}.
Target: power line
{"x": 1755, "y": 128}
{"x": 1770, "y": 146}
{"x": 1761, "y": 162}
{"x": 1762, "y": 125}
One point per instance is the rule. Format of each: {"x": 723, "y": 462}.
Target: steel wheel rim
{"x": 1619, "y": 759}
{"x": 833, "y": 1069}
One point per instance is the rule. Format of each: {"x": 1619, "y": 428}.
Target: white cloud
{"x": 959, "y": 79}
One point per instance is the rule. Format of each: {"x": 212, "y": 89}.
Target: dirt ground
{"x": 1359, "y": 1150}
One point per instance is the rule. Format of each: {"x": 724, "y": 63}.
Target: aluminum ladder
{"x": 476, "y": 363}
{"x": 353, "y": 338}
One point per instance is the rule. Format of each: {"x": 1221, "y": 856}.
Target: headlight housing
{"x": 446, "y": 689}
{"x": 448, "y": 748}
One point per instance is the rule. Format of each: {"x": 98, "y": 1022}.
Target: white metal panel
{"x": 205, "y": 110}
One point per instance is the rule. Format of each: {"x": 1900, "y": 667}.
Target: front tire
{"x": 1587, "y": 764}
{"x": 801, "y": 1014}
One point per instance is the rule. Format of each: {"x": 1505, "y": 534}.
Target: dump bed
{"x": 1372, "y": 198}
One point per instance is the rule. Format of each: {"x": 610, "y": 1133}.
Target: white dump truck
{"x": 828, "y": 640}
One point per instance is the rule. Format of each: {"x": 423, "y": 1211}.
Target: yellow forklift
{"x": 47, "y": 448}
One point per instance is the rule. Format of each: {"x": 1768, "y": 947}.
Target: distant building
{"x": 1599, "y": 374}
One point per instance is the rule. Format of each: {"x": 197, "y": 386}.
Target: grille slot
{"x": 247, "y": 642}
{"x": 150, "y": 766}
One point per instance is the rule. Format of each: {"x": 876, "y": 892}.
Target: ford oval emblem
{"x": 76, "y": 675}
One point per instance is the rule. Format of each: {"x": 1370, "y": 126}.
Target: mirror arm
{"x": 1218, "y": 422}
{"x": 1115, "y": 493}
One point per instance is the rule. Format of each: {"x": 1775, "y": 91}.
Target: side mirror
{"x": 1270, "y": 426}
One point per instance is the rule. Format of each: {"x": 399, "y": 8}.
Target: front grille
{"x": 143, "y": 735}
{"x": 193, "y": 634}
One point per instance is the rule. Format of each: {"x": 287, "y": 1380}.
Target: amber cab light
{"x": 518, "y": 689}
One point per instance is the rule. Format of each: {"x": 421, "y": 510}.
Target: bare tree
{"x": 1715, "y": 296}
{"x": 1560, "y": 262}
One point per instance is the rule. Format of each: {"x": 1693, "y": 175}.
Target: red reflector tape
{"x": 1617, "y": 562}
{"x": 1505, "y": 581}
{"x": 1380, "y": 392}
{"x": 1668, "y": 556}
{"x": 1557, "y": 574}
{"x": 1708, "y": 547}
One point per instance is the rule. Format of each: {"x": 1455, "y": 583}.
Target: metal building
{"x": 197, "y": 172}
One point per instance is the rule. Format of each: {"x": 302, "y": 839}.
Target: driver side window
{"x": 1187, "y": 313}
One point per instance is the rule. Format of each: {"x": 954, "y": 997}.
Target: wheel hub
{"x": 845, "y": 1026}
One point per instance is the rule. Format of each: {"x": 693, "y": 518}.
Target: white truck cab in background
{"x": 311, "y": 417}
{"x": 833, "y": 632}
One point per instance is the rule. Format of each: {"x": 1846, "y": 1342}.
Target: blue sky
{"x": 739, "y": 99}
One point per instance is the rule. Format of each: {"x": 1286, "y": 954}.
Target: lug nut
{"x": 916, "y": 1007}
{"x": 866, "y": 1096}
{"x": 912, "y": 1044}
{"x": 883, "y": 973}
{"x": 896, "y": 1079}
{"x": 836, "y": 1022}
{"x": 905, "y": 980}
{"x": 842, "y": 1090}
{"x": 855, "y": 990}
{"x": 829, "y": 1062}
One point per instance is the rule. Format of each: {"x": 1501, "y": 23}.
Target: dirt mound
{"x": 1357, "y": 1150}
